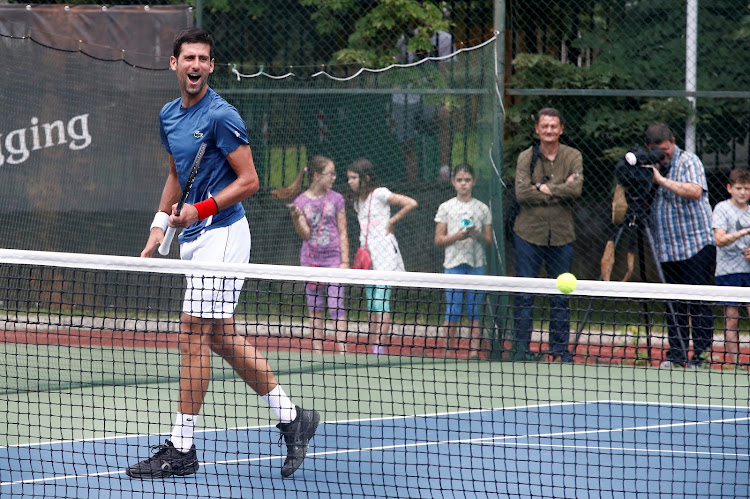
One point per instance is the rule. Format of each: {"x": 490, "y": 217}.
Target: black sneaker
{"x": 166, "y": 461}
{"x": 695, "y": 363}
{"x": 698, "y": 361}
{"x": 564, "y": 357}
{"x": 297, "y": 435}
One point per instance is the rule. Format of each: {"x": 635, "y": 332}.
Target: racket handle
{"x": 167, "y": 242}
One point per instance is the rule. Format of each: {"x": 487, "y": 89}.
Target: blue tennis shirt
{"x": 214, "y": 121}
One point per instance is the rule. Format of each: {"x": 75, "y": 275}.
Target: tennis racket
{"x": 169, "y": 235}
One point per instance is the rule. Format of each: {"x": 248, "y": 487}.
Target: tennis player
{"x": 214, "y": 229}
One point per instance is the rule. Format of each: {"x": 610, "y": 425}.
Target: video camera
{"x": 638, "y": 180}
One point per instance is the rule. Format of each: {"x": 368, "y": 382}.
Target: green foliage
{"x": 250, "y": 7}
{"x": 602, "y": 127}
{"x": 378, "y": 26}
{"x": 636, "y": 46}
{"x": 333, "y": 16}
{"x": 425, "y": 76}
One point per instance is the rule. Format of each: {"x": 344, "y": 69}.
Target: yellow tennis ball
{"x": 566, "y": 282}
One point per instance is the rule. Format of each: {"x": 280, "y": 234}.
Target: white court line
{"x": 498, "y": 440}
{"x": 625, "y": 449}
{"x": 340, "y": 421}
{"x": 388, "y": 418}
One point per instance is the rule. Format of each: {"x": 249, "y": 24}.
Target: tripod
{"x": 635, "y": 223}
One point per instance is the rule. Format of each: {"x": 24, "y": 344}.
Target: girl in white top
{"x": 464, "y": 229}
{"x": 373, "y": 206}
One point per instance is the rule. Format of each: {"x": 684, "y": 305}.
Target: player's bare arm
{"x": 246, "y": 184}
{"x": 169, "y": 197}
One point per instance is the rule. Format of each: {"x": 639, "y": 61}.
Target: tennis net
{"x": 91, "y": 366}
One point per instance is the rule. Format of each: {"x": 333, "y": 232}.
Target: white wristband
{"x": 161, "y": 220}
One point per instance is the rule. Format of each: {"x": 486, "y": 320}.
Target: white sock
{"x": 281, "y": 405}
{"x": 182, "y": 433}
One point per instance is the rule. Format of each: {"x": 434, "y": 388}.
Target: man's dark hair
{"x": 192, "y": 35}
{"x": 657, "y": 133}
{"x": 739, "y": 175}
{"x": 549, "y": 111}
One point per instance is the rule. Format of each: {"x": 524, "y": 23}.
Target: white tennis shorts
{"x": 216, "y": 297}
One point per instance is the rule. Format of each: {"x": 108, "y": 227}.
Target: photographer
{"x": 681, "y": 219}
{"x": 544, "y": 230}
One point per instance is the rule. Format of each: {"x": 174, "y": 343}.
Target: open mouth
{"x": 194, "y": 77}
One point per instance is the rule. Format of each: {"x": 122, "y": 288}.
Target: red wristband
{"x": 206, "y": 208}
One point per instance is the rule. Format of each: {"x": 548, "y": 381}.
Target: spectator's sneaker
{"x": 696, "y": 362}
{"x": 297, "y": 435}
{"x": 564, "y": 357}
{"x": 521, "y": 356}
{"x": 734, "y": 367}
{"x": 668, "y": 364}
{"x": 165, "y": 462}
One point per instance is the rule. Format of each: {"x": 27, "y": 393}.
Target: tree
{"x": 378, "y": 25}
{"x": 638, "y": 46}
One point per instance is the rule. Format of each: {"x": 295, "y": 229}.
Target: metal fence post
{"x": 691, "y": 68}
{"x": 198, "y": 13}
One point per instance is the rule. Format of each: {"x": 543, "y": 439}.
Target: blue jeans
{"x": 557, "y": 260}
{"x": 459, "y": 301}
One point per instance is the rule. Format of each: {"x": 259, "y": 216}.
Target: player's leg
{"x": 178, "y": 455}
{"x": 195, "y": 363}
{"x": 195, "y": 377}
{"x": 247, "y": 361}
{"x": 206, "y": 298}
{"x": 297, "y": 425}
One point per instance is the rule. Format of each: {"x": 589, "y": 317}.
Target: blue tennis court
{"x": 587, "y": 449}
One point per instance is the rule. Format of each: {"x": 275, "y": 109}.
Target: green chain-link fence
{"x": 614, "y": 67}
{"x": 412, "y": 122}
{"x": 280, "y": 34}
{"x": 610, "y": 67}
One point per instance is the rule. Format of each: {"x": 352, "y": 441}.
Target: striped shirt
{"x": 682, "y": 226}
